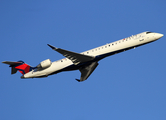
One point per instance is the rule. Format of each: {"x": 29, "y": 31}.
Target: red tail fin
{"x": 23, "y": 68}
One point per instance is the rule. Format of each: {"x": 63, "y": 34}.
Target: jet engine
{"x": 44, "y": 64}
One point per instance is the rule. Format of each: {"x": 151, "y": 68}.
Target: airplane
{"x": 85, "y": 62}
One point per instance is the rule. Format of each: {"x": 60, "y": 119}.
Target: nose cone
{"x": 158, "y": 35}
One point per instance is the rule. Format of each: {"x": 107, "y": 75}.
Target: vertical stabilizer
{"x": 20, "y": 66}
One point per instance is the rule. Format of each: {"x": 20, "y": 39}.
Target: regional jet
{"x": 85, "y": 62}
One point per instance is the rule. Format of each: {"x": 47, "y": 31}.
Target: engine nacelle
{"x": 44, "y": 64}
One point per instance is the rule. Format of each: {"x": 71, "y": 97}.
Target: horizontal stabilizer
{"x": 11, "y": 63}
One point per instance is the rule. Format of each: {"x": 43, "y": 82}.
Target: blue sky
{"x": 126, "y": 86}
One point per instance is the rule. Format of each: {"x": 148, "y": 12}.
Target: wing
{"x": 76, "y": 58}
{"x": 86, "y": 71}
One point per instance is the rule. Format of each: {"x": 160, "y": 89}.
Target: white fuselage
{"x": 99, "y": 52}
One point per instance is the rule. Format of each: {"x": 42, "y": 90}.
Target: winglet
{"x": 54, "y": 48}
{"x": 78, "y": 80}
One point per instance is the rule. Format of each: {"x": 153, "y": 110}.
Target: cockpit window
{"x": 148, "y": 32}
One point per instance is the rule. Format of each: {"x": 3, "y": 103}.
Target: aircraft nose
{"x": 158, "y": 35}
